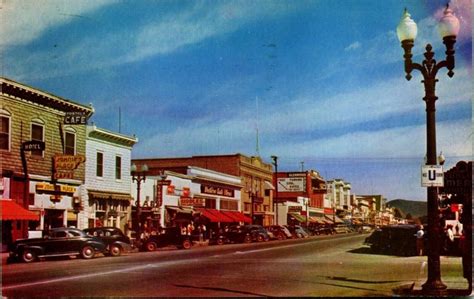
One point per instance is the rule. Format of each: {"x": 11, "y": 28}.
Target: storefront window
{"x": 229, "y": 205}
{"x": 210, "y": 203}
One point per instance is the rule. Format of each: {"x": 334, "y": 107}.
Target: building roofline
{"x": 119, "y": 137}
{"x": 23, "y": 91}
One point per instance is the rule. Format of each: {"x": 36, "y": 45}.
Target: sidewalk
{"x": 451, "y": 276}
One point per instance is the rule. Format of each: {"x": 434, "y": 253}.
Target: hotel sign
{"x": 206, "y": 189}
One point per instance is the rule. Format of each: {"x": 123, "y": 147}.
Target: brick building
{"x": 31, "y": 115}
{"x": 256, "y": 178}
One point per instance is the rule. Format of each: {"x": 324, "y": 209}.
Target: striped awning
{"x": 96, "y": 194}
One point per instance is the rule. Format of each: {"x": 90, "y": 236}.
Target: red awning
{"x": 238, "y": 216}
{"x": 13, "y": 211}
{"x": 215, "y": 215}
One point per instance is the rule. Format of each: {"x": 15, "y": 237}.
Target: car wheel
{"x": 87, "y": 252}
{"x": 260, "y": 238}
{"x": 220, "y": 241}
{"x": 247, "y": 239}
{"x": 115, "y": 250}
{"x": 150, "y": 246}
{"x": 28, "y": 256}
{"x": 187, "y": 244}
{"x": 280, "y": 237}
{"x": 299, "y": 236}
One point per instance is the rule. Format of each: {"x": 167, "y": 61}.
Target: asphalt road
{"x": 319, "y": 266}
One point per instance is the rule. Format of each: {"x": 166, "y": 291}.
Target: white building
{"x": 171, "y": 197}
{"x": 107, "y": 193}
{"x": 338, "y": 196}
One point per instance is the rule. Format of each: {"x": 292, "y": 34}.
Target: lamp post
{"x": 448, "y": 30}
{"x": 275, "y": 163}
{"x": 307, "y": 211}
{"x": 138, "y": 177}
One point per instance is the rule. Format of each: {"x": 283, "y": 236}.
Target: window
{"x": 4, "y": 132}
{"x": 118, "y": 167}
{"x": 70, "y": 143}
{"x": 100, "y": 164}
{"x": 37, "y": 134}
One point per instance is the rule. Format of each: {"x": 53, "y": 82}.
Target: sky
{"x": 319, "y": 82}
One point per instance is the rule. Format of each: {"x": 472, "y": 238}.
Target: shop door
{"x": 53, "y": 218}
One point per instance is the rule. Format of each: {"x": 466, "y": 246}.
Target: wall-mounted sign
{"x": 50, "y": 188}
{"x": 33, "y": 145}
{"x": 75, "y": 118}
{"x": 294, "y": 209}
{"x": 192, "y": 202}
{"x": 293, "y": 184}
{"x": 206, "y": 189}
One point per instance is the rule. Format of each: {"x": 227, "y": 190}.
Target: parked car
{"x": 116, "y": 241}
{"x": 57, "y": 242}
{"x": 246, "y": 234}
{"x": 170, "y": 236}
{"x": 341, "y": 229}
{"x": 393, "y": 239}
{"x": 322, "y": 229}
{"x": 279, "y": 231}
{"x": 297, "y": 231}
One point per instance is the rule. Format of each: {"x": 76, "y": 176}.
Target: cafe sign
{"x": 75, "y": 118}
{"x": 207, "y": 189}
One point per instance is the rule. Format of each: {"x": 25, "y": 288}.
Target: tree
{"x": 409, "y": 217}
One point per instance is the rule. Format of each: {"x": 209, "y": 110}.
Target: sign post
{"x": 432, "y": 176}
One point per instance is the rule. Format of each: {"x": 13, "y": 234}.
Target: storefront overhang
{"x": 269, "y": 186}
{"x": 297, "y": 217}
{"x": 13, "y": 211}
{"x": 181, "y": 210}
{"x": 334, "y": 219}
{"x": 214, "y": 215}
{"x": 96, "y": 194}
{"x": 239, "y": 216}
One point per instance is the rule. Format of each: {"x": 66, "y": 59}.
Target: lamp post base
{"x": 434, "y": 287}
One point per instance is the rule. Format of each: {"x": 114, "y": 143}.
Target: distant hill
{"x": 415, "y": 208}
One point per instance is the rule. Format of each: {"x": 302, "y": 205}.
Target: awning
{"x": 237, "y": 216}
{"x": 317, "y": 220}
{"x": 96, "y": 194}
{"x": 181, "y": 210}
{"x": 336, "y": 219}
{"x": 298, "y": 217}
{"x": 269, "y": 186}
{"x": 216, "y": 216}
{"x": 13, "y": 211}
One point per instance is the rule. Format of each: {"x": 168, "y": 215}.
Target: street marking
{"x": 271, "y": 248}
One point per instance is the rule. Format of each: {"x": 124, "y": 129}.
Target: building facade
{"x": 107, "y": 197}
{"x": 338, "y": 199}
{"x": 42, "y": 153}
{"x": 256, "y": 176}
{"x": 300, "y": 195}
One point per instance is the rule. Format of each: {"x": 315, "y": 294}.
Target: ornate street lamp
{"x": 448, "y": 30}
{"x": 138, "y": 176}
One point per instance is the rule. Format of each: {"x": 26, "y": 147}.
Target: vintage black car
{"x": 57, "y": 242}
{"x": 168, "y": 237}
{"x": 394, "y": 239}
{"x": 116, "y": 241}
{"x": 246, "y": 234}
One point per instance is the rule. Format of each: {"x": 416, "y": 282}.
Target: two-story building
{"x": 337, "y": 203}
{"x": 42, "y": 150}
{"x": 106, "y": 200}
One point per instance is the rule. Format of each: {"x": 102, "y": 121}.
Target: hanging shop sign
{"x": 33, "y": 145}
{"x": 294, "y": 209}
{"x": 207, "y": 189}
{"x": 50, "y": 188}
{"x": 64, "y": 165}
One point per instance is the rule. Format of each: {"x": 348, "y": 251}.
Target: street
{"x": 319, "y": 266}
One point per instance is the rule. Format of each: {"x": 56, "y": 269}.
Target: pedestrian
{"x": 420, "y": 242}
{"x": 449, "y": 239}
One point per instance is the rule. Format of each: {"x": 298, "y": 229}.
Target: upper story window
{"x": 4, "y": 131}
{"x": 37, "y": 134}
{"x": 118, "y": 167}
{"x": 70, "y": 142}
{"x": 100, "y": 164}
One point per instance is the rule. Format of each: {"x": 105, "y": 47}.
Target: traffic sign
{"x": 432, "y": 176}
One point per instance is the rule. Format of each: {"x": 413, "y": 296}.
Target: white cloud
{"x": 25, "y": 20}
{"x": 353, "y": 46}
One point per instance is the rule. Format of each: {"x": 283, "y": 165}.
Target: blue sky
{"x": 323, "y": 81}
